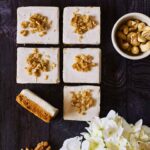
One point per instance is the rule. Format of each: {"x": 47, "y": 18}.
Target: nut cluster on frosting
{"x": 82, "y": 101}
{"x": 84, "y": 63}
{"x": 83, "y": 23}
{"x": 37, "y": 24}
{"x": 36, "y": 64}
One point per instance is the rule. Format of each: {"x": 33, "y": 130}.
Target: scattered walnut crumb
{"x": 83, "y": 23}
{"x": 52, "y": 65}
{"x": 37, "y": 64}
{"x": 42, "y": 33}
{"x": 46, "y": 77}
{"x": 37, "y": 24}
{"x": 24, "y": 32}
{"x": 82, "y": 101}
{"x": 83, "y": 63}
{"x": 40, "y": 146}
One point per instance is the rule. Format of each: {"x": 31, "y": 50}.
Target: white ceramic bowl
{"x": 124, "y": 18}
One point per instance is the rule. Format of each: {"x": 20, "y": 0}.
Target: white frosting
{"x": 70, "y": 75}
{"x": 52, "y": 36}
{"x": 69, "y": 111}
{"x": 24, "y": 77}
{"x": 46, "y": 106}
{"x": 90, "y": 37}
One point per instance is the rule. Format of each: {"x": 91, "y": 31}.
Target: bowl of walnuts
{"x": 131, "y": 36}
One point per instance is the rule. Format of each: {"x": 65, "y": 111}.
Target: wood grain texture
{"x": 125, "y": 84}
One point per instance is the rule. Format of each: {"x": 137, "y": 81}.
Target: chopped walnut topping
{"x": 24, "y": 32}
{"x": 40, "y": 146}
{"x": 37, "y": 24}
{"x": 83, "y": 23}
{"x": 37, "y": 64}
{"x": 82, "y": 101}
{"x": 83, "y": 63}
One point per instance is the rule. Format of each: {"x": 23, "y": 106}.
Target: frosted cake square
{"x": 37, "y": 65}
{"x": 81, "y": 65}
{"x": 38, "y": 25}
{"x": 81, "y": 103}
{"x": 81, "y": 25}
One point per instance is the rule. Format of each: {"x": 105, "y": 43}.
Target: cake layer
{"x": 36, "y": 105}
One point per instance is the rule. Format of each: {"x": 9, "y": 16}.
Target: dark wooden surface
{"x": 125, "y": 84}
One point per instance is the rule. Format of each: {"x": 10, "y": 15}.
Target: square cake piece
{"x": 37, "y": 65}
{"x": 81, "y": 103}
{"x": 81, "y": 25}
{"x": 81, "y": 65}
{"x": 38, "y": 25}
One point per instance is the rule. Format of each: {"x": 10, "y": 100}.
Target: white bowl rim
{"x": 133, "y": 14}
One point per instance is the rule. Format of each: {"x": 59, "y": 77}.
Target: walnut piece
{"x": 83, "y": 63}
{"x": 82, "y": 101}
{"x": 25, "y": 24}
{"x": 46, "y": 77}
{"x": 24, "y": 32}
{"x": 40, "y": 146}
{"x": 43, "y": 146}
{"x": 37, "y": 24}
{"x": 83, "y": 23}
{"x": 37, "y": 64}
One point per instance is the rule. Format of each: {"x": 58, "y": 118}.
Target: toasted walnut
{"x": 25, "y": 24}
{"x": 82, "y": 101}
{"x": 42, "y": 33}
{"x": 146, "y": 34}
{"x": 83, "y": 63}
{"x": 24, "y": 32}
{"x": 135, "y": 50}
{"x": 83, "y": 23}
{"x": 145, "y": 47}
{"x": 37, "y": 64}
{"x": 40, "y": 146}
{"x": 37, "y": 24}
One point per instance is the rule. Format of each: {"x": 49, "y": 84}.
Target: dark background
{"x": 125, "y": 84}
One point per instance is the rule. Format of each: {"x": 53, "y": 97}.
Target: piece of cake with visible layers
{"x": 81, "y": 65}
{"x": 38, "y": 25}
{"x": 38, "y": 65}
{"x": 81, "y": 103}
{"x": 36, "y": 105}
{"x": 81, "y": 25}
